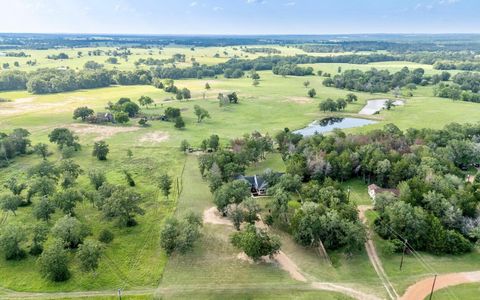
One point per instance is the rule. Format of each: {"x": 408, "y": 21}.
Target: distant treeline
{"x": 465, "y": 87}
{"x": 394, "y": 47}
{"x": 378, "y": 81}
{"x": 456, "y": 65}
{"x": 261, "y": 50}
{"x": 46, "y": 80}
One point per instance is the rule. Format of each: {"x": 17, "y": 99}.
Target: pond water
{"x": 328, "y": 124}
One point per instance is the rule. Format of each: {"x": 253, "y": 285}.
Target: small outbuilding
{"x": 258, "y": 186}
{"x": 374, "y": 190}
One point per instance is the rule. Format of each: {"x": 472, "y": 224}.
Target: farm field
{"x": 135, "y": 261}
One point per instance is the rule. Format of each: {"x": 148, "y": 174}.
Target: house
{"x": 374, "y": 190}
{"x": 258, "y": 186}
{"x": 101, "y": 117}
{"x": 470, "y": 178}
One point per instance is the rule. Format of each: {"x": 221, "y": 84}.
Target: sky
{"x": 239, "y": 17}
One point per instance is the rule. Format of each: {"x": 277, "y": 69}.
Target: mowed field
{"x": 202, "y": 55}
{"x": 135, "y": 260}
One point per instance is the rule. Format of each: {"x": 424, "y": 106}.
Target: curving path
{"x": 213, "y": 217}
{"x": 373, "y": 256}
{"x": 422, "y": 288}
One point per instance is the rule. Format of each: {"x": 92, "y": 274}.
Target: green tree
{"x": 306, "y": 84}
{"x": 41, "y": 149}
{"x": 40, "y": 234}
{"x": 14, "y": 186}
{"x": 312, "y": 93}
{"x": 100, "y": 150}
{"x": 351, "y": 98}
{"x": 97, "y": 178}
{"x": 64, "y": 137}
{"x": 180, "y": 235}
{"x": 67, "y": 199}
{"x": 184, "y": 146}
{"x": 53, "y": 262}
{"x": 256, "y": 242}
{"x": 42, "y": 186}
{"x": 328, "y": 105}
{"x": 130, "y": 108}
{"x": 341, "y": 104}
{"x": 389, "y": 104}
{"x": 165, "y": 184}
{"x": 10, "y": 202}
{"x": 186, "y": 94}
{"x": 11, "y": 238}
{"x": 207, "y": 86}
{"x": 233, "y": 192}
{"x": 121, "y": 117}
{"x": 70, "y": 230}
{"x": 179, "y": 123}
{"x": 82, "y": 113}
{"x": 105, "y": 236}
{"x": 70, "y": 172}
{"x": 43, "y": 209}
{"x": 201, "y": 113}
{"x": 124, "y": 205}
{"x": 145, "y": 101}
{"x": 89, "y": 255}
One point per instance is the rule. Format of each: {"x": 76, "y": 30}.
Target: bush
{"x": 455, "y": 243}
{"x": 106, "y": 236}
{"x": 100, "y": 150}
{"x": 68, "y": 152}
{"x": 179, "y": 123}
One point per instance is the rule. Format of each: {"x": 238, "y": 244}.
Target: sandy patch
{"x": 102, "y": 132}
{"x": 212, "y": 216}
{"x": 24, "y": 100}
{"x": 300, "y": 100}
{"x": 154, "y": 137}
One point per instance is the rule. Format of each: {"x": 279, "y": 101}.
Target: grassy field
{"x": 463, "y": 291}
{"x": 135, "y": 259}
{"x": 202, "y": 55}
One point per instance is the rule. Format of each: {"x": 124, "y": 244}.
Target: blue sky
{"x": 240, "y": 16}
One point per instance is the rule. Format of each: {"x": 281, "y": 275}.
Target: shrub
{"x": 105, "y": 236}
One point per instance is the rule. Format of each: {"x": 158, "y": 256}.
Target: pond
{"x": 328, "y": 124}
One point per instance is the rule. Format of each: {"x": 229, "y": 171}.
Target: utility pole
{"x": 433, "y": 287}
{"x": 403, "y": 253}
{"x": 120, "y": 294}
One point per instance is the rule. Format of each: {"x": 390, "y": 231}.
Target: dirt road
{"x": 373, "y": 256}
{"x": 422, "y": 288}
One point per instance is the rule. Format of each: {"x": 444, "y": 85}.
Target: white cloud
{"x": 291, "y": 3}
{"x": 217, "y": 8}
{"x": 193, "y": 4}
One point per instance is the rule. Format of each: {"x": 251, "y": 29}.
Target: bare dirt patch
{"x": 212, "y": 216}
{"x": 102, "y": 132}
{"x": 422, "y": 288}
{"x": 154, "y": 137}
{"x": 299, "y": 100}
